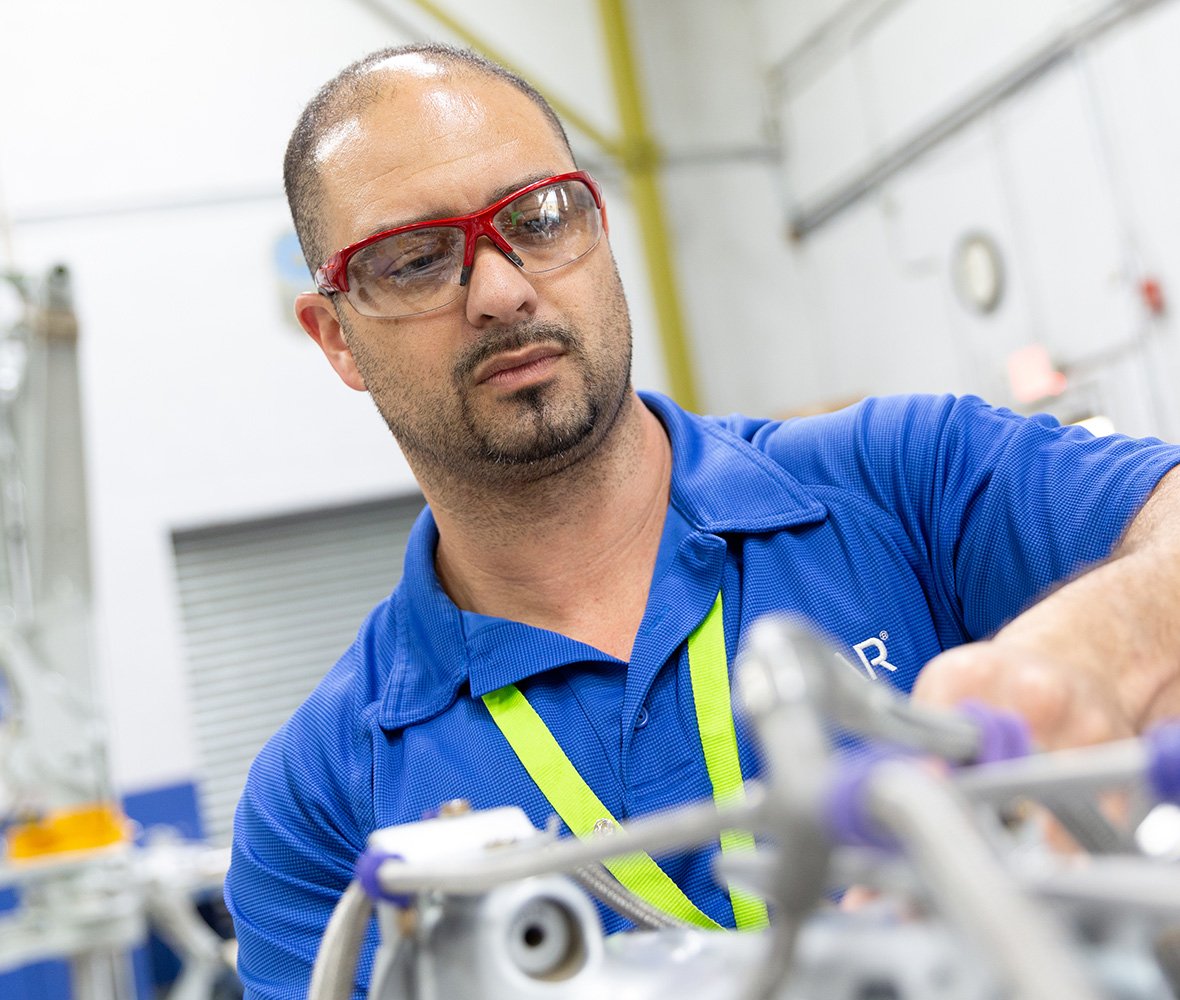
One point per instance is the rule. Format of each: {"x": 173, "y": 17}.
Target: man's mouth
{"x": 514, "y": 366}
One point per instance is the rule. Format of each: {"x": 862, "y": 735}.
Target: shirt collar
{"x": 721, "y": 484}
{"x": 423, "y": 638}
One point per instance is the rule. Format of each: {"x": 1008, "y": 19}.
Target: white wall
{"x": 1070, "y": 176}
{"x": 740, "y": 287}
{"x": 141, "y": 144}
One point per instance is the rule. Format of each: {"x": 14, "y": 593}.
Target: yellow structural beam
{"x": 567, "y": 113}
{"x": 640, "y": 157}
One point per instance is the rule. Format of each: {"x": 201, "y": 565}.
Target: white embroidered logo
{"x": 879, "y": 657}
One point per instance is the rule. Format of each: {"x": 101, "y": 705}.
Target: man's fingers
{"x": 1062, "y": 705}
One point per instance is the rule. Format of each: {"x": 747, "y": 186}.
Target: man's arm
{"x": 302, "y": 821}
{"x": 292, "y": 858}
{"x": 1098, "y": 658}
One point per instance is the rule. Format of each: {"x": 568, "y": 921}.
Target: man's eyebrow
{"x": 443, "y": 213}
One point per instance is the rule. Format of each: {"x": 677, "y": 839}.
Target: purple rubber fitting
{"x": 1163, "y": 763}
{"x": 1002, "y": 735}
{"x": 845, "y": 808}
{"x": 367, "y": 866}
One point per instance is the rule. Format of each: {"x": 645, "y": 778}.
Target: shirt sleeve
{"x": 1002, "y": 507}
{"x": 296, "y": 840}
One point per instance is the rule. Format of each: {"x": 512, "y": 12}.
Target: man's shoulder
{"x": 343, "y": 703}
{"x": 880, "y": 418}
{"x": 835, "y": 448}
{"x": 911, "y": 437}
{"x": 893, "y": 454}
{"x": 875, "y": 420}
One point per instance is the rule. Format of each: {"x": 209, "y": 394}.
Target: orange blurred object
{"x": 82, "y": 828}
{"x": 1153, "y": 296}
{"x": 1031, "y": 374}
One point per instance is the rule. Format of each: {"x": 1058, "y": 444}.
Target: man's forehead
{"x": 426, "y": 106}
{"x": 390, "y": 92}
{"x": 426, "y": 137}
{"x": 444, "y": 210}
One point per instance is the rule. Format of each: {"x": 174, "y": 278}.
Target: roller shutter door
{"x": 267, "y": 608}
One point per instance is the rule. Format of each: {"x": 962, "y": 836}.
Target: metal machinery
{"x": 86, "y": 891}
{"x": 968, "y": 902}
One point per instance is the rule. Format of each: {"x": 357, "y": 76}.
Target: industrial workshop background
{"x": 811, "y": 200}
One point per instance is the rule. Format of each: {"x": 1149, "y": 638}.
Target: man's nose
{"x": 497, "y": 291}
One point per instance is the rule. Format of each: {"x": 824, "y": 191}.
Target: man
{"x": 577, "y": 534}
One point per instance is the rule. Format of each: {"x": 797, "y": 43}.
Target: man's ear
{"x": 317, "y": 315}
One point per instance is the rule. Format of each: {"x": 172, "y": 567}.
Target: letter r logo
{"x": 878, "y": 658}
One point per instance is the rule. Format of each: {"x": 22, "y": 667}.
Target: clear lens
{"x": 407, "y": 273}
{"x": 551, "y": 226}
{"x": 419, "y": 270}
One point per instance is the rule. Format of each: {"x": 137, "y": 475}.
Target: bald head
{"x": 326, "y": 120}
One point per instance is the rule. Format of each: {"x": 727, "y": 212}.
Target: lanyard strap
{"x": 709, "y": 669}
{"x": 577, "y": 804}
{"x": 583, "y": 812}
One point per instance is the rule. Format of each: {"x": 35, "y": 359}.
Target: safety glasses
{"x": 423, "y": 266}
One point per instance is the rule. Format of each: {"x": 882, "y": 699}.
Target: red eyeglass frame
{"x": 332, "y": 275}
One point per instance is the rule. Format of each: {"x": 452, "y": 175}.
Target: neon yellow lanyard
{"x": 583, "y": 812}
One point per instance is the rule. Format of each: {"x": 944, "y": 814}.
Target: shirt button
{"x": 641, "y": 719}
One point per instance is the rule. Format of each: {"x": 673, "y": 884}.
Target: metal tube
{"x": 1057, "y": 774}
{"x": 1108, "y": 885}
{"x": 810, "y": 217}
{"x": 1085, "y": 822}
{"x": 971, "y": 885}
{"x": 686, "y": 827}
{"x": 835, "y": 34}
{"x": 14, "y": 524}
{"x": 102, "y": 975}
{"x": 599, "y": 882}
{"x": 335, "y": 965}
{"x": 14, "y": 519}
{"x": 777, "y": 683}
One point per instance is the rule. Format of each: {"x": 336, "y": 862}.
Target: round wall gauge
{"x": 977, "y": 270}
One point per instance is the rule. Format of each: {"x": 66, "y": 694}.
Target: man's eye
{"x": 537, "y": 225}
{"x": 410, "y": 260}
{"x": 424, "y": 265}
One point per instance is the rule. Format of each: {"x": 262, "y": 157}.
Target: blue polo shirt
{"x": 900, "y": 527}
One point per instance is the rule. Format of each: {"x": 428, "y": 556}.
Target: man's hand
{"x": 1065, "y": 705}
{"x": 1098, "y": 658}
